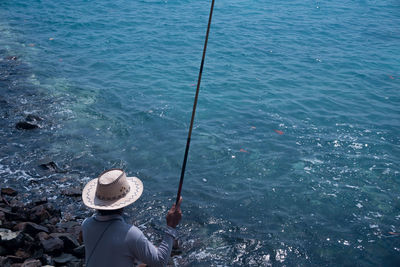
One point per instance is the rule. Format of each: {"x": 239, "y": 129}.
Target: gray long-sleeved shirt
{"x": 122, "y": 244}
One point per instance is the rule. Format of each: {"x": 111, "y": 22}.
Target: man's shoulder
{"x": 134, "y": 232}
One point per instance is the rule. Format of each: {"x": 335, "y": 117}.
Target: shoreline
{"x": 36, "y": 233}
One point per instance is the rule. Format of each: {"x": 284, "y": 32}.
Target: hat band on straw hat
{"x": 124, "y": 193}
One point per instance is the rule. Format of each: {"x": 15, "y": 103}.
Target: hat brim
{"x": 90, "y": 200}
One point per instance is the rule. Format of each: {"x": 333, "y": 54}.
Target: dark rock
{"x": 17, "y": 205}
{"x": 39, "y": 201}
{"x": 4, "y": 261}
{"x": 70, "y": 227}
{"x": 79, "y": 251}
{"x": 2, "y": 216}
{"x": 50, "y": 244}
{"x": 22, "y": 254}
{"x": 8, "y": 191}
{"x": 11, "y": 239}
{"x": 33, "y": 118}
{"x": 39, "y": 214}
{"x": 23, "y": 125}
{"x": 15, "y": 259}
{"x": 54, "y": 220}
{"x": 3, "y": 251}
{"x": 30, "y": 228}
{"x": 65, "y": 258}
{"x": 37, "y": 253}
{"x": 31, "y": 263}
{"x": 69, "y": 240}
{"x": 72, "y": 192}
{"x": 10, "y": 215}
{"x": 47, "y": 259}
{"x": 52, "y": 210}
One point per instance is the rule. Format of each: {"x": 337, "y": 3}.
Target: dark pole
{"x": 178, "y": 196}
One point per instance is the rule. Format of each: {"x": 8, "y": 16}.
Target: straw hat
{"x": 112, "y": 190}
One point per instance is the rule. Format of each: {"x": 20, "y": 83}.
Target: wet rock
{"x": 49, "y": 166}
{"x": 30, "y": 228}
{"x": 33, "y": 118}
{"x": 12, "y": 58}
{"x": 72, "y": 192}
{"x": 31, "y": 263}
{"x": 69, "y": 240}
{"x": 23, "y": 125}
{"x": 8, "y": 191}
{"x": 65, "y": 258}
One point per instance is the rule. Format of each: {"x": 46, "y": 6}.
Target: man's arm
{"x": 145, "y": 251}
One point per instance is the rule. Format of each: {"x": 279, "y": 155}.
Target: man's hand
{"x": 174, "y": 215}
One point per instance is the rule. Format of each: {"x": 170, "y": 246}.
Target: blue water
{"x": 295, "y": 152}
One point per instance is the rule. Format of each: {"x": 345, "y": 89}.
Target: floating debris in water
{"x": 51, "y": 38}
{"x": 244, "y": 151}
{"x": 278, "y": 132}
{"x": 391, "y": 77}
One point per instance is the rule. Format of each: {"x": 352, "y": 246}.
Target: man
{"x": 109, "y": 240}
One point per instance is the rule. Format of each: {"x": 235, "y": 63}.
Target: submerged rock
{"x": 23, "y": 125}
{"x": 51, "y": 166}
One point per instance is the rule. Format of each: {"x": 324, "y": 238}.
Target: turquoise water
{"x": 295, "y": 151}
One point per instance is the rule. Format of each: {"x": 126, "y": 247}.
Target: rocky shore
{"x": 34, "y": 234}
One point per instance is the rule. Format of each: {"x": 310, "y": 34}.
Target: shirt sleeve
{"x": 146, "y": 252}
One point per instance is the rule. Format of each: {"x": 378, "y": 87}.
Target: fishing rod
{"x": 178, "y": 196}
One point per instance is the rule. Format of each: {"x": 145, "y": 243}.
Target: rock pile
{"x": 33, "y": 234}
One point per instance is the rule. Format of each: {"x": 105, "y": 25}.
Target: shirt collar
{"x": 104, "y": 218}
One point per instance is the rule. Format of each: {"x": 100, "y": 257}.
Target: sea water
{"x": 294, "y": 159}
